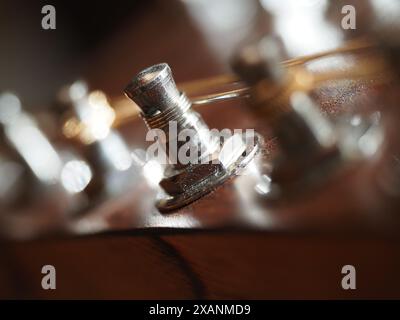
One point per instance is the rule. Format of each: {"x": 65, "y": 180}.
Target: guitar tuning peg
{"x": 261, "y": 61}
{"x": 105, "y": 149}
{"x": 168, "y": 115}
{"x": 260, "y": 66}
{"x": 309, "y": 147}
{"x": 39, "y": 185}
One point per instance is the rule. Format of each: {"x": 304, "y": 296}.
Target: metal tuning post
{"x": 40, "y": 184}
{"x": 310, "y": 147}
{"x": 211, "y": 162}
{"x": 105, "y": 148}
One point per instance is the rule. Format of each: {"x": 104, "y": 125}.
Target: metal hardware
{"x": 104, "y": 148}
{"x": 230, "y": 86}
{"x": 309, "y": 148}
{"x": 40, "y": 183}
{"x": 161, "y": 103}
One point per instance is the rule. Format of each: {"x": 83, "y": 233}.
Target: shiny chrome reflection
{"x": 39, "y": 186}
{"x": 76, "y": 175}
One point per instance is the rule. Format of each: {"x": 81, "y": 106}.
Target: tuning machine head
{"x": 41, "y": 185}
{"x": 311, "y": 147}
{"x": 89, "y": 128}
{"x": 168, "y": 113}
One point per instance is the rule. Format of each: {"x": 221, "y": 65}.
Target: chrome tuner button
{"x": 211, "y": 162}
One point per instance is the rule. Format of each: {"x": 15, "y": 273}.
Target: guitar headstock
{"x": 295, "y": 131}
{"x": 314, "y": 129}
